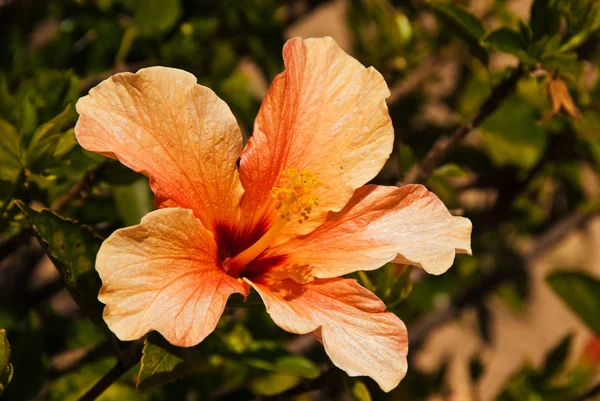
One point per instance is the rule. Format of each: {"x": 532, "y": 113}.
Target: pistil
{"x": 234, "y": 266}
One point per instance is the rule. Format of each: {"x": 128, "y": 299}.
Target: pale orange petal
{"x": 162, "y": 275}
{"x": 180, "y": 134}
{"x": 325, "y": 113}
{"x": 351, "y": 322}
{"x": 380, "y": 224}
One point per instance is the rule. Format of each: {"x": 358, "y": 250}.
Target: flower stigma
{"x": 295, "y": 200}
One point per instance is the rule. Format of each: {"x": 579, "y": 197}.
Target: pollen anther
{"x": 294, "y": 195}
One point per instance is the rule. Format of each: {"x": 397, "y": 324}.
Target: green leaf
{"x": 450, "y": 170}
{"x": 156, "y": 16}
{"x": 461, "y": 16}
{"x": 273, "y": 383}
{"x": 545, "y": 18}
{"x": 297, "y": 365}
{"x": 162, "y": 362}
{"x": 580, "y": 37}
{"x": 511, "y": 135}
{"x": 556, "y": 358}
{"x": 359, "y": 391}
{"x": 133, "y": 201}
{"x": 10, "y": 151}
{"x": 467, "y": 25}
{"x": 66, "y": 143}
{"x": 45, "y": 140}
{"x": 581, "y": 292}
{"x": 6, "y": 369}
{"x": 72, "y": 248}
{"x": 406, "y": 158}
{"x": 508, "y": 41}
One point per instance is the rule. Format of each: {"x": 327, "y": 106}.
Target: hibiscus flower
{"x": 294, "y": 218}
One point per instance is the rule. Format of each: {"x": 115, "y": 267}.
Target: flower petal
{"x": 351, "y": 322}
{"x": 380, "y": 224}
{"x": 162, "y": 275}
{"x": 180, "y": 134}
{"x": 325, "y": 113}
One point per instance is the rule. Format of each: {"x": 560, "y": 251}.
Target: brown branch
{"x": 81, "y": 187}
{"x": 418, "y": 331}
{"x": 414, "y": 80}
{"x": 445, "y": 145}
{"x": 129, "y": 359}
{"x": 72, "y": 360}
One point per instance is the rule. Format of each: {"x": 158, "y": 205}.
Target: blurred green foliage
{"x": 532, "y": 164}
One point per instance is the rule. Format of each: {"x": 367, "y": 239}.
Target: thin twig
{"x": 445, "y": 145}
{"x": 59, "y": 367}
{"x": 414, "y": 80}
{"x": 418, "y": 331}
{"x": 81, "y": 187}
{"x": 129, "y": 359}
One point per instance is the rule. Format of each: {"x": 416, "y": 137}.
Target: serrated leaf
{"x": 45, "y": 140}
{"x": 162, "y": 362}
{"x": 581, "y": 292}
{"x": 508, "y": 41}
{"x": 72, "y": 248}
{"x": 10, "y": 150}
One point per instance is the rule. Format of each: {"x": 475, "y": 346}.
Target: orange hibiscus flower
{"x": 296, "y": 217}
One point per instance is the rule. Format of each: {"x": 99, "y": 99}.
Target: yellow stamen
{"x": 294, "y": 199}
{"x": 294, "y": 194}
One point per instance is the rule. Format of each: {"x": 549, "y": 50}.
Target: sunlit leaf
{"x": 10, "y": 151}
{"x": 359, "y": 391}
{"x": 6, "y": 369}
{"x": 273, "y": 383}
{"x": 45, "y": 141}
